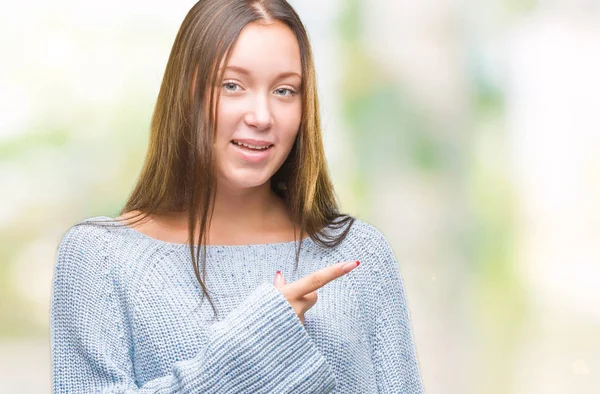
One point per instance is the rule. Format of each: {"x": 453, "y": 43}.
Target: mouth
{"x": 252, "y": 153}
{"x": 252, "y": 148}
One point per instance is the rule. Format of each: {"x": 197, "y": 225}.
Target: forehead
{"x": 267, "y": 49}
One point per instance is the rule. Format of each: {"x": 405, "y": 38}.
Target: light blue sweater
{"x": 126, "y": 317}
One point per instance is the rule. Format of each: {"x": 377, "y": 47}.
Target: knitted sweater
{"x": 126, "y": 317}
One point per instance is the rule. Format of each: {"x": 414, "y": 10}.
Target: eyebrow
{"x": 246, "y": 72}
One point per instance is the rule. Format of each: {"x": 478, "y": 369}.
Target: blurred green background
{"x": 467, "y": 132}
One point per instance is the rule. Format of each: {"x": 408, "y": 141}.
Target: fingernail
{"x": 277, "y": 277}
{"x": 350, "y": 266}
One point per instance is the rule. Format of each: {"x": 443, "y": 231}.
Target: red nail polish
{"x": 357, "y": 263}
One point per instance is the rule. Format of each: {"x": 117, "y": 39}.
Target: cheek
{"x": 228, "y": 116}
{"x": 288, "y": 121}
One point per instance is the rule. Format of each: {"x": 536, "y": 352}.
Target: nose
{"x": 259, "y": 113}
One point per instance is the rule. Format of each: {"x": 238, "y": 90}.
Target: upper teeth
{"x": 251, "y": 146}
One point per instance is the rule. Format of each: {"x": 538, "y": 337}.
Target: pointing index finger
{"x": 319, "y": 278}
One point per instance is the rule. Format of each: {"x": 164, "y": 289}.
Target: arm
{"x": 390, "y": 332}
{"x": 260, "y": 347}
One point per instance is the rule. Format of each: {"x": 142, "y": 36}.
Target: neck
{"x": 246, "y": 208}
{"x": 252, "y": 215}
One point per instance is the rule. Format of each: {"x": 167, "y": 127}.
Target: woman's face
{"x": 260, "y": 105}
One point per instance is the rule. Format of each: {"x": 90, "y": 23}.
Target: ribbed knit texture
{"x": 126, "y": 317}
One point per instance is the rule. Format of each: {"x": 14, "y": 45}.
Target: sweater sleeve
{"x": 259, "y": 347}
{"x": 390, "y": 332}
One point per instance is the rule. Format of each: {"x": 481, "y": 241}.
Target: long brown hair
{"x": 179, "y": 174}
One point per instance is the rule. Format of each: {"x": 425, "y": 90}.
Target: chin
{"x": 247, "y": 181}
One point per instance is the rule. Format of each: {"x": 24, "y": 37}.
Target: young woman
{"x": 234, "y": 178}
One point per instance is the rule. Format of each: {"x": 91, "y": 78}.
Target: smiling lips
{"x": 250, "y": 141}
{"x": 252, "y": 151}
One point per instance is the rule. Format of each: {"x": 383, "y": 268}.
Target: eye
{"x": 287, "y": 91}
{"x": 230, "y": 86}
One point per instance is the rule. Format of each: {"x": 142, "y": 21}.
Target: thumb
{"x": 279, "y": 280}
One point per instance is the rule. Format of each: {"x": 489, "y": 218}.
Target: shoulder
{"x": 363, "y": 235}
{"x": 86, "y": 233}
{"x": 368, "y": 230}
{"x": 84, "y": 271}
{"x": 84, "y": 243}
{"x": 367, "y": 243}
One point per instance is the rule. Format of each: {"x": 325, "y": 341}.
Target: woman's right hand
{"x": 302, "y": 294}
